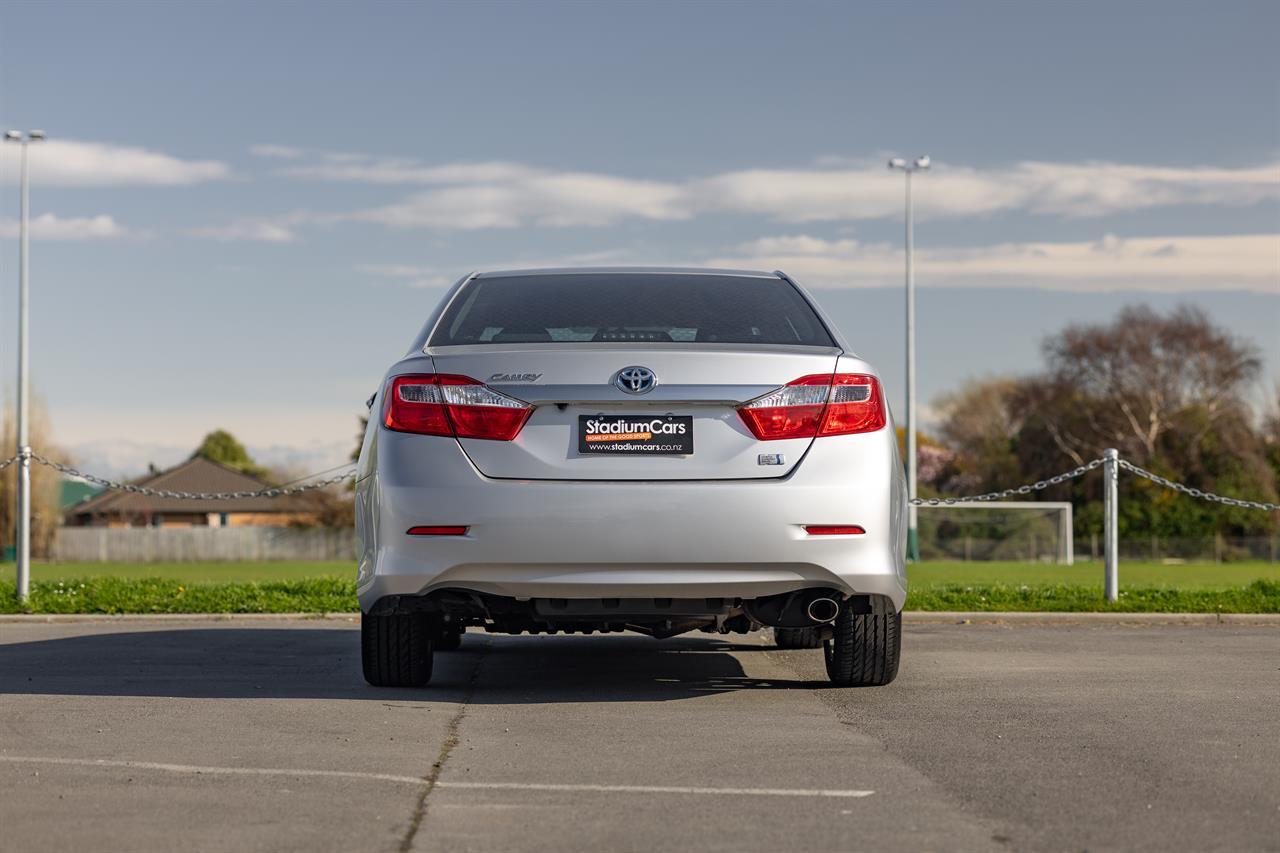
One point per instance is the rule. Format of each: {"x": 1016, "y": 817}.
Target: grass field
{"x": 1136, "y": 574}
{"x": 188, "y": 573}
{"x": 1252, "y": 587}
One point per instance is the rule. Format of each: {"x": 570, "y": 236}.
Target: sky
{"x": 245, "y": 211}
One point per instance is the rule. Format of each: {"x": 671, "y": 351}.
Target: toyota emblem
{"x": 636, "y": 380}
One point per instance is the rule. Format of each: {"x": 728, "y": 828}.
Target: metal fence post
{"x": 22, "y": 565}
{"x": 1111, "y": 526}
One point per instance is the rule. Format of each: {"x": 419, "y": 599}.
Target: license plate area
{"x": 635, "y": 435}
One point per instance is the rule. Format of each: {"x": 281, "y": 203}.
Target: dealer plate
{"x": 638, "y": 435}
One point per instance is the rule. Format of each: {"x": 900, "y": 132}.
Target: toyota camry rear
{"x": 648, "y": 450}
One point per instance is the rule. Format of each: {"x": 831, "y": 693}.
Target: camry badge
{"x": 636, "y": 380}
{"x": 515, "y": 377}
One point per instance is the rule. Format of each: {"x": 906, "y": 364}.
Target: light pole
{"x": 919, "y": 164}
{"x": 24, "y": 449}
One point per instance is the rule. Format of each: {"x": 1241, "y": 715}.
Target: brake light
{"x": 438, "y": 530}
{"x": 817, "y": 405}
{"x": 444, "y": 404}
{"x": 834, "y": 529}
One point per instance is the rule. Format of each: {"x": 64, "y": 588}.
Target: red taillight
{"x": 443, "y": 404}
{"x": 438, "y": 530}
{"x": 833, "y": 529}
{"x": 817, "y": 405}
{"x": 415, "y": 404}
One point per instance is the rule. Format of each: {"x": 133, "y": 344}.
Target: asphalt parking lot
{"x": 147, "y": 736}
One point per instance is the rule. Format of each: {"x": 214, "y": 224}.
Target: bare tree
{"x": 1143, "y": 374}
{"x": 46, "y": 484}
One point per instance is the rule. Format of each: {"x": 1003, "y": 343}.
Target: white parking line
{"x": 659, "y": 789}
{"x": 198, "y": 770}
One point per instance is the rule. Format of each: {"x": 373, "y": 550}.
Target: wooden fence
{"x": 197, "y": 544}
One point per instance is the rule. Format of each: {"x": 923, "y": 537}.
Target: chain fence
{"x": 1037, "y": 486}
{"x": 964, "y": 546}
{"x": 115, "y": 485}
{"x": 282, "y": 491}
{"x": 1194, "y": 492}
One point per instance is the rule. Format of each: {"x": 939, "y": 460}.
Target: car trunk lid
{"x": 575, "y": 388}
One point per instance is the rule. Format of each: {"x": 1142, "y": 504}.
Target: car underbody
{"x": 452, "y": 610}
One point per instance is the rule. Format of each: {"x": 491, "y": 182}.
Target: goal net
{"x": 1026, "y": 531}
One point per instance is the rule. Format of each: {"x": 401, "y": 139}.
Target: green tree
{"x": 1167, "y": 390}
{"x": 223, "y": 447}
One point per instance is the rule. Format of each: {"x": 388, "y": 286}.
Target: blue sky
{"x": 245, "y": 211}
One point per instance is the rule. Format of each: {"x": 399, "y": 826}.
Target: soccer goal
{"x": 1034, "y": 531}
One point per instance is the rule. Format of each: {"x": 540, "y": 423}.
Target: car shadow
{"x": 323, "y": 663}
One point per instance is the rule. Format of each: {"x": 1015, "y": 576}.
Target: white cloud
{"x": 1062, "y": 189}
{"x": 1098, "y": 189}
{"x": 798, "y": 244}
{"x": 1237, "y": 262}
{"x": 70, "y": 163}
{"x": 392, "y": 270}
{"x": 413, "y": 275}
{"x": 299, "y": 460}
{"x": 392, "y": 170}
{"x": 279, "y": 152}
{"x": 533, "y": 198}
{"x": 124, "y": 458}
{"x": 501, "y": 194}
{"x": 249, "y": 230}
{"x": 408, "y": 275}
{"x": 50, "y": 226}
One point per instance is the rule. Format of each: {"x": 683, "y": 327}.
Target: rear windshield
{"x": 630, "y": 308}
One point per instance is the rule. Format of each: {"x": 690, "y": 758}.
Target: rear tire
{"x": 448, "y": 640}
{"x": 797, "y": 638}
{"x": 866, "y": 647}
{"x": 396, "y": 649}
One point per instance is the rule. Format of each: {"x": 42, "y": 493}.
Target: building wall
{"x": 200, "y": 543}
{"x": 270, "y": 519}
{"x": 197, "y": 519}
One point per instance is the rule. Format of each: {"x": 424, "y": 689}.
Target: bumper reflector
{"x": 833, "y": 529}
{"x": 439, "y": 530}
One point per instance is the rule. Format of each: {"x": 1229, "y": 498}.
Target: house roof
{"x": 197, "y": 474}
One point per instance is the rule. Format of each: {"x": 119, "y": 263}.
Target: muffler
{"x": 823, "y": 610}
{"x": 800, "y": 609}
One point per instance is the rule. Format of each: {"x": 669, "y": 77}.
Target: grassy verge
{"x": 165, "y": 595}
{"x": 1260, "y": 596}
{"x": 328, "y": 588}
{"x": 1191, "y": 576}
{"x": 189, "y": 573}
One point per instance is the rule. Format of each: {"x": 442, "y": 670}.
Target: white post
{"x": 913, "y": 542}
{"x": 24, "y": 465}
{"x": 1066, "y": 538}
{"x": 913, "y": 531}
{"x": 1111, "y": 525}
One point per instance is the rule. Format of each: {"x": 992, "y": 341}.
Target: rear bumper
{"x": 576, "y": 539}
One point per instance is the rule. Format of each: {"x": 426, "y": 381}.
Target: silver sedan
{"x": 630, "y": 449}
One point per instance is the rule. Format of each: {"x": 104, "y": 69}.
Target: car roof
{"x": 625, "y": 271}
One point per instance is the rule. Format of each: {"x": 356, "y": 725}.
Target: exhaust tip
{"x": 823, "y": 609}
